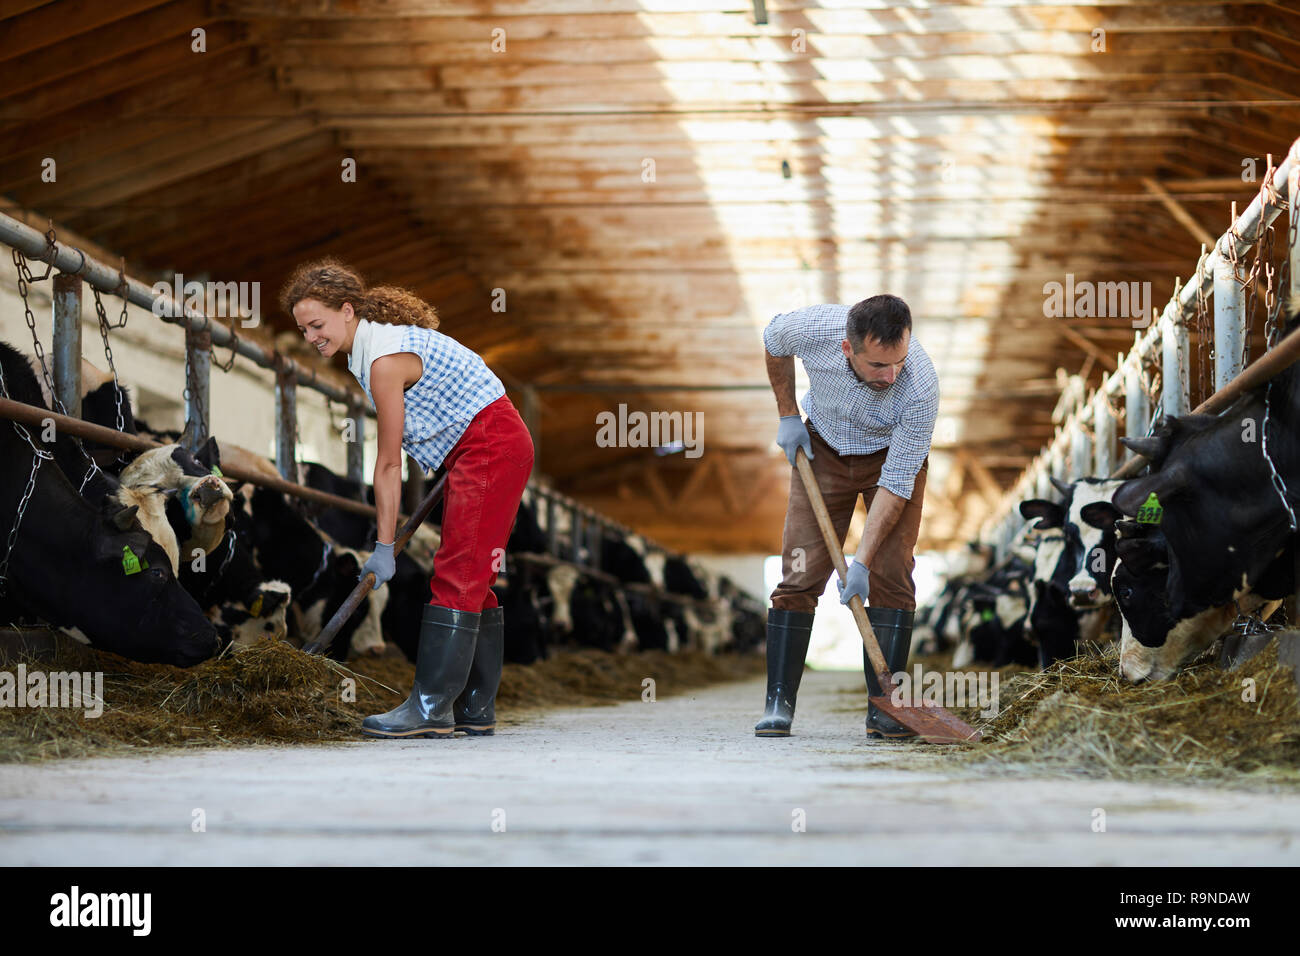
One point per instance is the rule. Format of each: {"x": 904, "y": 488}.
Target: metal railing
{"x": 580, "y": 545}
{"x": 1085, "y": 444}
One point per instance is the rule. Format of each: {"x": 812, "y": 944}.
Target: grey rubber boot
{"x": 475, "y": 708}
{"x": 894, "y": 634}
{"x": 788, "y": 633}
{"x": 442, "y": 665}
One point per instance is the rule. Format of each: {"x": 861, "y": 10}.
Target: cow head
{"x": 1089, "y": 586}
{"x": 129, "y": 602}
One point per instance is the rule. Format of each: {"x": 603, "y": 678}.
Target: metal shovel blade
{"x": 934, "y": 724}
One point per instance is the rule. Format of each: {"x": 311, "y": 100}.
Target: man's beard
{"x": 874, "y": 386}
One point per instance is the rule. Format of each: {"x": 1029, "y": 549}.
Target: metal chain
{"x": 24, "y": 278}
{"x": 102, "y": 316}
{"x": 18, "y": 520}
{"x": 38, "y": 455}
{"x": 1278, "y": 484}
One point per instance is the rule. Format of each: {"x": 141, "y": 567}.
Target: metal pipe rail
{"x": 1072, "y": 454}
{"x": 31, "y": 415}
{"x": 587, "y": 527}
{"x": 72, "y": 261}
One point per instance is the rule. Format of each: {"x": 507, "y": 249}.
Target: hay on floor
{"x": 272, "y": 693}
{"x": 1082, "y": 718}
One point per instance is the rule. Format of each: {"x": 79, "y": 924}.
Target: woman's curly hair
{"x": 332, "y": 283}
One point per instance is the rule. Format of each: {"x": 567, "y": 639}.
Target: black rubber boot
{"x": 442, "y": 665}
{"x": 475, "y": 708}
{"x": 788, "y": 633}
{"x": 894, "y": 634}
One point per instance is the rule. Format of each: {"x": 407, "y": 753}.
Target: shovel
{"x": 934, "y": 724}
{"x": 367, "y": 584}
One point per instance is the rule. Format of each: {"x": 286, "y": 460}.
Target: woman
{"x": 437, "y": 400}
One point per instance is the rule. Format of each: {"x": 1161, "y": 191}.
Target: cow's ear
{"x": 209, "y": 454}
{"x": 1100, "y": 514}
{"x": 124, "y": 518}
{"x": 1165, "y": 484}
{"x": 1048, "y": 513}
{"x": 1064, "y": 487}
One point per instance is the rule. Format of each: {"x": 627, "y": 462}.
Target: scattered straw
{"x": 1081, "y": 718}
{"x": 273, "y": 694}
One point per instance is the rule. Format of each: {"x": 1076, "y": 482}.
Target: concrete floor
{"x": 681, "y": 780}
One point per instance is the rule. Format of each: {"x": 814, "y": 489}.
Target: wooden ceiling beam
{"x": 340, "y": 96}
{"x": 47, "y": 63}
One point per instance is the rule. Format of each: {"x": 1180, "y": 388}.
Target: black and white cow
{"x": 320, "y": 573}
{"x": 86, "y": 567}
{"x": 1205, "y": 535}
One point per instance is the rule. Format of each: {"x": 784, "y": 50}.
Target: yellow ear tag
{"x": 1151, "y": 512}
{"x": 256, "y": 609}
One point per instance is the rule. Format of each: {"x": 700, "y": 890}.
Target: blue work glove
{"x": 381, "y": 563}
{"x": 857, "y": 581}
{"x": 791, "y": 435}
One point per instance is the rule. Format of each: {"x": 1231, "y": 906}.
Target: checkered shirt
{"x": 455, "y": 386}
{"x": 852, "y": 418}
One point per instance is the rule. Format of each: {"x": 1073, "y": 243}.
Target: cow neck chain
{"x": 1278, "y": 484}
{"x": 102, "y": 315}
{"x": 25, "y": 278}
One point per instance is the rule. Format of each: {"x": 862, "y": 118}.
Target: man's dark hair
{"x": 882, "y": 317}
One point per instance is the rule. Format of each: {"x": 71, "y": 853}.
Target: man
{"x": 871, "y": 404}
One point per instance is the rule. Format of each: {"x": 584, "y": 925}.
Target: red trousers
{"x": 486, "y": 474}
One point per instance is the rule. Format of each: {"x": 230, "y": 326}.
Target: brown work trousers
{"x": 805, "y": 564}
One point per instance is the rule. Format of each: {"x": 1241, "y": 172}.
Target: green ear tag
{"x": 1151, "y": 512}
{"x": 986, "y": 614}
{"x": 130, "y": 563}
{"x": 217, "y": 471}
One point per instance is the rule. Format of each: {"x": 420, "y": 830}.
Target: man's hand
{"x": 856, "y": 581}
{"x": 381, "y": 562}
{"x": 791, "y": 435}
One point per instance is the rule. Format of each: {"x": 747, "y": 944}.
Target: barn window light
{"x": 671, "y": 448}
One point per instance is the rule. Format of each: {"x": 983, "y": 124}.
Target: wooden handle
{"x": 367, "y": 583}
{"x": 836, "y": 549}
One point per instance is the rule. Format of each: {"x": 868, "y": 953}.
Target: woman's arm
{"x": 387, "y": 380}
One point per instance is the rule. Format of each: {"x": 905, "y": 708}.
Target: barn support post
{"x": 1103, "y": 452}
{"x": 552, "y": 525}
{"x": 67, "y": 342}
{"x": 357, "y": 449}
{"x": 286, "y": 424}
{"x": 1080, "y": 452}
{"x": 576, "y": 530}
{"x": 1137, "y": 408}
{"x": 198, "y": 368}
{"x": 597, "y": 539}
{"x": 1229, "y": 325}
{"x": 1173, "y": 363}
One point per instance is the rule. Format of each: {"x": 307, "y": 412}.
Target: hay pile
{"x": 273, "y": 694}
{"x": 1080, "y": 717}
